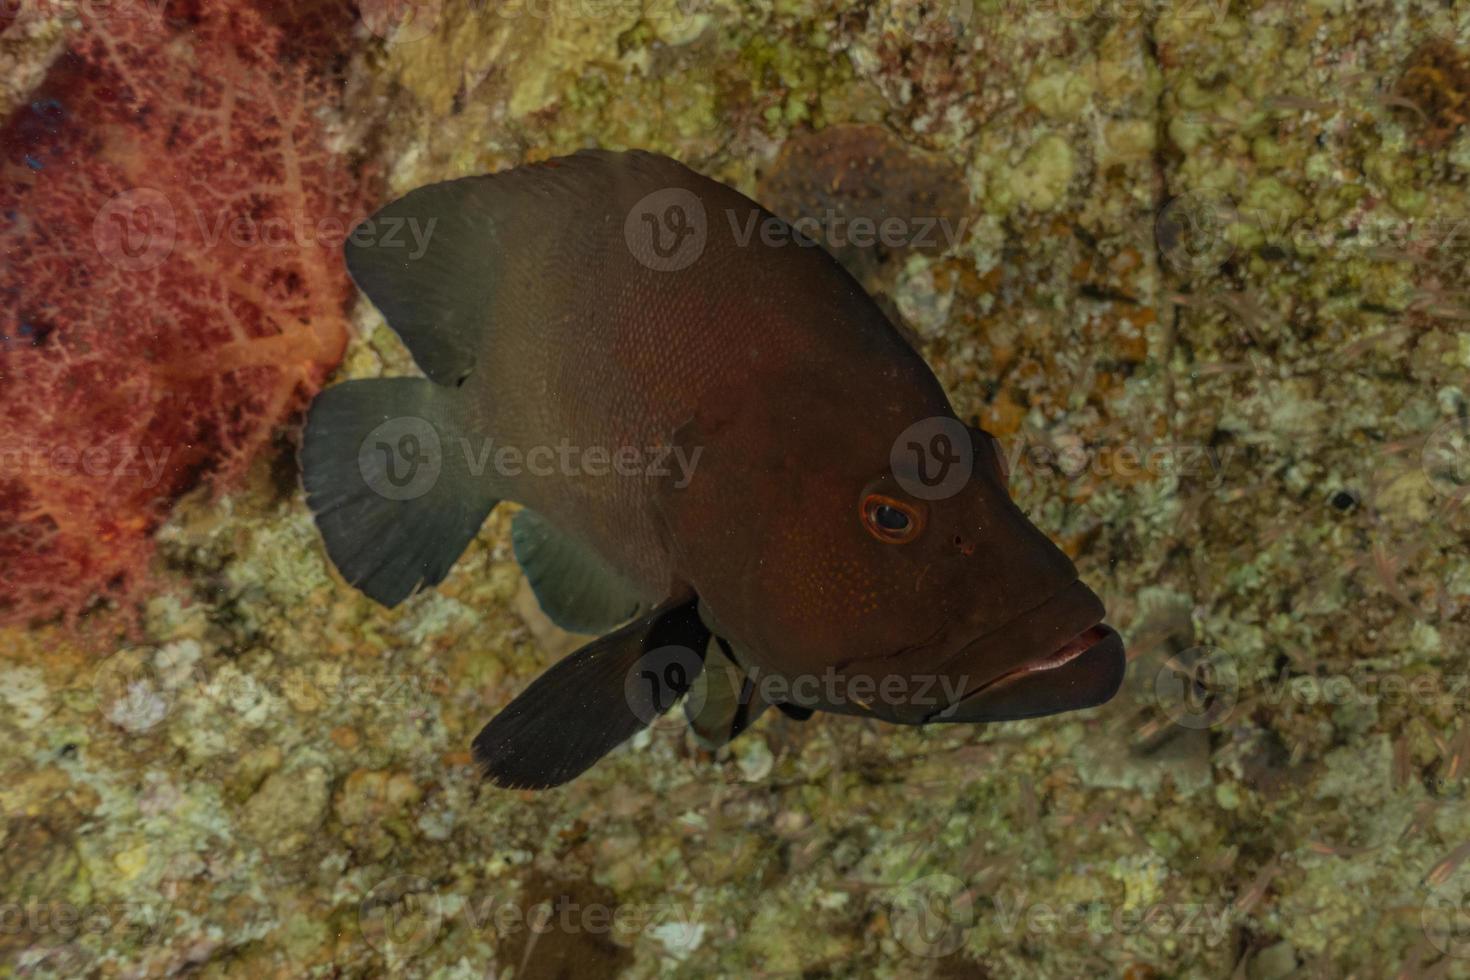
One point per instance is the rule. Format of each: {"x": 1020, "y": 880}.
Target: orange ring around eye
{"x": 868, "y": 512}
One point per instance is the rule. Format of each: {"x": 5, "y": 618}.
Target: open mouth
{"x": 1082, "y": 672}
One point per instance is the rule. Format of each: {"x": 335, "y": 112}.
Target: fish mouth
{"x": 1083, "y": 672}
{"x": 1055, "y": 656}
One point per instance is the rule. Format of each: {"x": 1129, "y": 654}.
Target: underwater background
{"x": 1202, "y": 268}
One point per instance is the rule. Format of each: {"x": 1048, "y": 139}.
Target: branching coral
{"x": 171, "y": 215}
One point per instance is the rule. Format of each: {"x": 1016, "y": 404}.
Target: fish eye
{"x": 889, "y": 520}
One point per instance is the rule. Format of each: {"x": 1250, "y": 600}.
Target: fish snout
{"x": 1056, "y": 656}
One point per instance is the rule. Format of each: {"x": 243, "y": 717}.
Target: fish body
{"x": 715, "y": 432}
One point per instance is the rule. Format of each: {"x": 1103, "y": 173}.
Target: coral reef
{"x": 1209, "y": 291}
{"x": 173, "y": 288}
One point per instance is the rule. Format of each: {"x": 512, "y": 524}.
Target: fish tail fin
{"x": 393, "y": 481}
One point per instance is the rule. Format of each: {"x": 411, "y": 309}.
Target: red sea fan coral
{"x": 171, "y": 220}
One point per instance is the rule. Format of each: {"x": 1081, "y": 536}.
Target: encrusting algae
{"x": 1208, "y": 295}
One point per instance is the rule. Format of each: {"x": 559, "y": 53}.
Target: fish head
{"x": 861, "y": 580}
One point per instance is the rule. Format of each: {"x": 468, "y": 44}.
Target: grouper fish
{"x": 732, "y": 467}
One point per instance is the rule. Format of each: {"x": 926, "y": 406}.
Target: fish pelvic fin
{"x": 392, "y": 483}
{"x": 593, "y": 700}
{"x": 724, "y": 700}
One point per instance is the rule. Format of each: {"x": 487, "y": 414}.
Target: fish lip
{"x": 936, "y": 641}
{"x": 1085, "y": 671}
{"x": 1049, "y": 625}
{"x": 1076, "y": 647}
{"x": 972, "y": 663}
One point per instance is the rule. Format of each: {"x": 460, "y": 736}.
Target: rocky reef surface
{"x": 1200, "y": 265}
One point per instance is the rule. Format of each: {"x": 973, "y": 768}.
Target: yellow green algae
{"x": 1210, "y": 291}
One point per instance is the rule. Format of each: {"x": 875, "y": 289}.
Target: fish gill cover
{"x": 171, "y": 215}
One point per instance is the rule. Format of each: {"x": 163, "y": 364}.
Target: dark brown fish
{"x": 714, "y": 432}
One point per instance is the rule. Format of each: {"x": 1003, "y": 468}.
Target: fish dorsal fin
{"x": 576, "y": 588}
{"x": 425, "y": 261}
{"x": 592, "y": 701}
{"x": 436, "y": 260}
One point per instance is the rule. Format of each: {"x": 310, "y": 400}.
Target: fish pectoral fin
{"x": 592, "y": 701}
{"x": 724, "y": 700}
{"x": 577, "y": 589}
{"x": 392, "y": 493}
